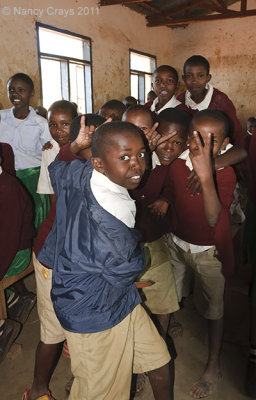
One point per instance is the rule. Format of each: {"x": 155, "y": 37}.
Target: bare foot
{"x": 203, "y": 388}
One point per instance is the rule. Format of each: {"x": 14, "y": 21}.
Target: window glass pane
{"x": 51, "y": 81}
{"x": 77, "y": 87}
{"x": 142, "y": 63}
{"x": 52, "y": 42}
{"x": 148, "y": 86}
{"x": 134, "y": 86}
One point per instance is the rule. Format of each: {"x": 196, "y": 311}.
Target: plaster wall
{"x": 113, "y": 31}
{"x": 229, "y": 45}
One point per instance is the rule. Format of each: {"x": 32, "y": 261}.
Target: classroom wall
{"x": 229, "y": 45}
{"x": 113, "y": 31}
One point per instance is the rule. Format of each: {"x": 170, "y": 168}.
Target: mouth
{"x": 15, "y": 101}
{"x": 163, "y": 93}
{"x": 135, "y": 179}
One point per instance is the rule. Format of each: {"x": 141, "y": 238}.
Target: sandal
{"x": 47, "y": 396}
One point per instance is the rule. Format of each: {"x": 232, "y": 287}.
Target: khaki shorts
{"x": 51, "y": 331}
{"x": 209, "y": 283}
{"x": 161, "y": 297}
{"x": 102, "y": 362}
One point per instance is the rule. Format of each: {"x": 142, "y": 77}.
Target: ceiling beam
{"x": 243, "y": 5}
{"x": 218, "y": 4}
{"x": 213, "y": 7}
{"x": 151, "y": 8}
{"x": 153, "y": 19}
{"x": 121, "y": 3}
{"x": 206, "y": 18}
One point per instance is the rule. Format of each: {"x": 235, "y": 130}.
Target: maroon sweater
{"x": 16, "y": 227}
{"x": 221, "y": 102}
{"x": 155, "y": 184}
{"x": 192, "y": 225}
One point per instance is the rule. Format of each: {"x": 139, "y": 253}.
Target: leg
{"x": 162, "y": 380}
{"x": 47, "y": 357}
{"x": 204, "y": 386}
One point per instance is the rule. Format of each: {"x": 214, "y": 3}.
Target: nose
{"x": 135, "y": 163}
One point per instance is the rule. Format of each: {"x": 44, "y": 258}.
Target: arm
{"x": 232, "y": 156}
{"x": 202, "y": 164}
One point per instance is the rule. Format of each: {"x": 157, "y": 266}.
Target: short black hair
{"x": 64, "y": 105}
{"x": 23, "y": 77}
{"x": 103, "y": 134}
{"x": 168, "y": 67}
{"x": 140, "y": 107}
{"x": 115, "y": 105}
{"x": 195, "y": 60}
{"x": 175, "y": 116}
{"x": 251, "y": 119}
{"x": 90, "y": 119}
{"x": 129, "y": 100}
{"x": 216, "y": 115}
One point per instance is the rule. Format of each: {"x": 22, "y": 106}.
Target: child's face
{"x": 205, "y": 126}
{"x": 124, "y": 160}
{"x": 19, "y": 93}
{"x": 168, "y": 151}
{"x": 142, "y": 119}
{"x": 251, "y": 125}
{"x": 110, "y": 113}
{"x": 195, "y": 79}
{"x": 164, "y": 85}
{"x": 59, "y": 125}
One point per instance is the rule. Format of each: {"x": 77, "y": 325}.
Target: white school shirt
{"x": 172, "y": 103}
{"x": 113, "y": 198}
{"x": 44, "y": 185}
{"x": 204, "y": 104}
{"x": 26, "y": 137}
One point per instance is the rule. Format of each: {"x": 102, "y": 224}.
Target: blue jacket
{"x": 96, "y": 257}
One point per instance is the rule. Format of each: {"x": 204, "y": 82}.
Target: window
{"x": 65, "y": 67}
{"x": 142, "y": 66}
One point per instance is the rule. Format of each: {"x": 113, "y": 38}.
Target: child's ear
{"x": 209, "y": 77}
{"x": 98, "y": 164}
{"x": 225, "y": 143}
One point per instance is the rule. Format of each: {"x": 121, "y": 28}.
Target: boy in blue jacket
{"x": 96, "y": 260}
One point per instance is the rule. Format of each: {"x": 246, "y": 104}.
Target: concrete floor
{"x": 16, "y": 375}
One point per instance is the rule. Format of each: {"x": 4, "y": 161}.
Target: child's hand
{"x": 194, "y": 183}
{"x": 47, "y": 146}
{"x": 201, "y": 157}
{"x": 153, "y": 136}
{"x": 84, "y": 137}
{"x": 159, "y": 208}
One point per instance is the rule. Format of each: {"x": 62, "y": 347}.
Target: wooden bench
{"x": 10, "y": 280}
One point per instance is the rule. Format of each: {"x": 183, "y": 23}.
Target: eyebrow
{"x": 129, "y": 149}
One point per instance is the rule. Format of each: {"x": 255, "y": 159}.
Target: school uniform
{"x": 216, "y": 100}
{"x": 16, "y": 228}
{"x": 207, "y": 250}
{"x": 161, "y": 297}
{"x": 27, "y": 138}
{"x": 96, "y": 260}
{"x": 172, "y": 103}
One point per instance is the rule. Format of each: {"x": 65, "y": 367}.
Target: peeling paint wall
{"x": 113, "y": 31}
{"x": 230, "y": 47}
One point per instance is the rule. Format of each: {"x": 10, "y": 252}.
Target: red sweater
{"x": 17, "y": 226}
{"x": 155, "y": 184}
{"x": 192, "y": 225}
{"x": 221, "y": 102}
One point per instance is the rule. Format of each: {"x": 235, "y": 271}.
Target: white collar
{"x": 185, "y": 156}
{"x": 249, "y": 132}
{"x": 155, "y": 160}
{"x": 172, "y": 103}
{"x": 204, "y": 104}
{"x": 1, "y": 170}
{"x": 100, "y": 179}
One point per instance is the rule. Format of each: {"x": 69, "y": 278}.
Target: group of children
{"x": 140, "y": 197}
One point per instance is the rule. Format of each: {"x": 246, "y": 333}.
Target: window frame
{"x": 68, "y": 60}
{"x": 141, "y": 74}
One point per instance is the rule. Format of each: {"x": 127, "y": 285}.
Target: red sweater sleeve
{"x": 65, "y": 154}
{"x": 16, "y": 227}
{"x": 221, "y": 102}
